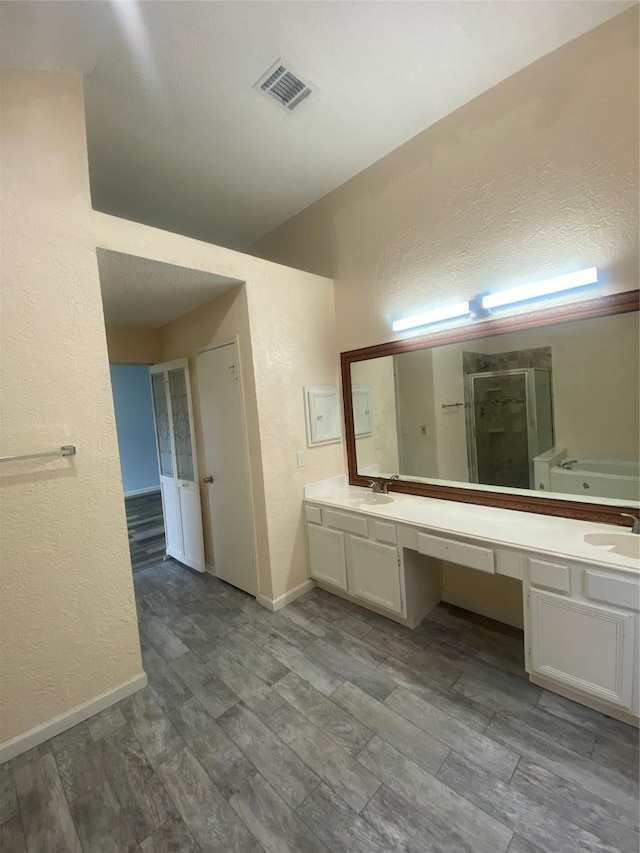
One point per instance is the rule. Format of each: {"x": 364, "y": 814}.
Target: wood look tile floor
{"x": 146, "y": 530}
{"x": 324, "y": 727}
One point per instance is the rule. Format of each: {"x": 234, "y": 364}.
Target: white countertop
{"x": 543, "y": 534}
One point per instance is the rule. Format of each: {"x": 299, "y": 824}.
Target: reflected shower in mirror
{"x": 552, "y": 409}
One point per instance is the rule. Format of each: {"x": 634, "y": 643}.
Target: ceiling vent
{"x": 285, "y": 87}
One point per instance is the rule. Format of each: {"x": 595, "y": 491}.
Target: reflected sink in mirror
{"x": 625, "y": 544}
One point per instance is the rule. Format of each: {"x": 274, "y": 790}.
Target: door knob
{"x": 208, "y": 479}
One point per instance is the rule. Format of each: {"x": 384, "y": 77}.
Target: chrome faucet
{"x": 636, "y": 521}
{"x": 379, "y": 488}
{"x": 568, "y": 465}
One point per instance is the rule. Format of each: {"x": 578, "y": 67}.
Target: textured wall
{"x": 538, "y": 175}
{"x": 287, "y": 341}
{"x": 134, "y": 426}
{"x": 535, "y": 176}
{"x": 67, "y": 618}
{"x": 216, "y": 322}
{"x": 134, "y": 345}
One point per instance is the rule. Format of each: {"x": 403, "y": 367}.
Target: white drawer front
{"x": 461, "y": 553}
{"x": 613, "y": 589}
{"x": 508, "y": 563}
{"x": 313, "y": 514}
{"x": 384, "y": 532}
{"x": 433, "y": 546}
{"x": 549, "y": 575}
{"x": 343, "y": 521}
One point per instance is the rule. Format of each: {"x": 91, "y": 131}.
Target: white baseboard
{"x": 504, "y": 616}
{"x": 281, "y": 601}
{"x": 210, "y": 569}
{"x": 40, "y": 734}
{"x": 135, "y": 492}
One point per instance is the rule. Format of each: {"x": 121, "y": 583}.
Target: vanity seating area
{"x": 580, "y": 580}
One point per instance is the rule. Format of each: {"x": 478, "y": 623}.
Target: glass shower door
{"x": 499, "y": 427}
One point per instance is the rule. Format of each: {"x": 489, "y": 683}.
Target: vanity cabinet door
{"x": 326, "y": 555}
{"x": 374, "y": 573}
{"x": 582, "y": 645}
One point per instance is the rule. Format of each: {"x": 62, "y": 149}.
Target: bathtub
{"x": 593, "y": 476}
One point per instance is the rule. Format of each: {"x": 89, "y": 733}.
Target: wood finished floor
{"x": 146, "y": 530}
{"x": 320, "y": 728}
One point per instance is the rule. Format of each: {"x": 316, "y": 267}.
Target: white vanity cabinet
{"x": 374, "y": 573}
{"x": 327, "y": 555}
{"x": 581, "y": 629}
{"x": 581, "y": 619}
{"x": 342, "y": 555}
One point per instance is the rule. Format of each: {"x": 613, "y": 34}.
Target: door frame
{"x": 235, "y": 341}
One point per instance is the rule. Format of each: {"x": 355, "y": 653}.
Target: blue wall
{"x": 134, "y": 423}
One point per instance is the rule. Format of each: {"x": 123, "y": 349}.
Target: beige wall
{"x": 67, "y": 615}
{"x": 378, "y": 451}
{"x": 291, "y": 323}
{"x": 219, "y": 321}
{"x": 536, "y": 176}
{"x": 417, "y": 416}
{"x": 596, "y": 380}
{"x": 134, "y": 345}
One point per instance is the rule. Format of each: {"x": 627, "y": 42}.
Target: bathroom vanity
{"x": 580, "y": 580}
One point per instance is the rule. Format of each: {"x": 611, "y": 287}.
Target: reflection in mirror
{"x": 552, "y": 409}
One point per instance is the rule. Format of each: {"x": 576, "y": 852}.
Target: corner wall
{"x": 287, "y": 341}
{"x": 134, "y": 345}
{"x": 536, "y": 176}
{"x": 67, "y": 614}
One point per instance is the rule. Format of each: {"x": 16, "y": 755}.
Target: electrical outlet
{"x": 300, "y": 458}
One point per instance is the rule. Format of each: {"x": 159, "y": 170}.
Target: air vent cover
{"x": 284, "y": 86}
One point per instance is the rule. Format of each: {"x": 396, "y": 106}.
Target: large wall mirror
{"x": 538, "y": 412}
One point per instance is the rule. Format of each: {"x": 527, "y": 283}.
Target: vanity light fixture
{"x": 481, "y": 305}
{"x": 539, "y": 288}
{"x": 448, "y": 312}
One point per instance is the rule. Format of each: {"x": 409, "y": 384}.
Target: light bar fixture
{"x": 540, "y": 288}
{"x": 481, "y": 305}
{"x": 449, "y": 312}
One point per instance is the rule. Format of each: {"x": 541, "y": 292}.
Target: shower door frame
{"x": 531, "y": 416}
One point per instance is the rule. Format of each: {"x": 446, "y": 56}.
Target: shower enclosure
{"x": 509, "y": 422}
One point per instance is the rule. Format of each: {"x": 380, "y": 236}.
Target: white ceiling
{"x": 179, "y": 139}
{"x": 141, "y": 292}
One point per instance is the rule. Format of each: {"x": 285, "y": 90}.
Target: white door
{"x": 227, "y": 461}
{"x": 173, "y": 421}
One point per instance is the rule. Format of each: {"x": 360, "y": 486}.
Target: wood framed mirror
{"x": 537, "y": 412}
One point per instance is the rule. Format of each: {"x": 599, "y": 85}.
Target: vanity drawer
{"x": 382, "y": 531}
{"x": 612, "y": 589}
{"x": 509, "y": 563}
{"x": 313, "y": 514}
{"x": 549, "y": 575}
{"x": 461, "y": 553}
{"x": 357, "y": 524}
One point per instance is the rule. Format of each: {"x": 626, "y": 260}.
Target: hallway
{"x": 324, "y": 727}
{"x": 146, "y": 530}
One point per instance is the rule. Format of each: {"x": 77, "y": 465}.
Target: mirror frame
{"x": 617, "y": 303}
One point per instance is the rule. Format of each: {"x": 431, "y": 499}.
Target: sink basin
{"x": 625, "y": 544}
{"x": 372, "y": 499}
